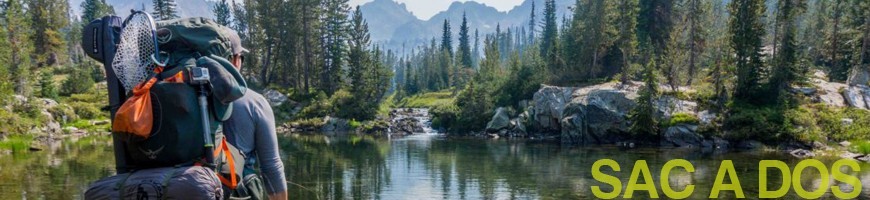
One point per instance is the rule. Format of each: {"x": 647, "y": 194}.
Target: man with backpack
{"x": 251, "y": 129}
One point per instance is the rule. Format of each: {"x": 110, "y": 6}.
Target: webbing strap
{"x": 168, "y": 178}
{"x": 120, "y": 184}
{"x": 232, "y": 183}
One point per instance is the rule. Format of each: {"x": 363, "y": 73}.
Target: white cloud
{"x": 425, "y": 9}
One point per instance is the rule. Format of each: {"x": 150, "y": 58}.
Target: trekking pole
{"x": 199, "y": 76}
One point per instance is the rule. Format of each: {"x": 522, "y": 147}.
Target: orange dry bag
{"x": 136, "y": 116}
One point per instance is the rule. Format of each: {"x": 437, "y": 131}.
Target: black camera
{"x": 199, "y": 76}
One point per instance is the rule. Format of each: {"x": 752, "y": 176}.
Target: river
{"x": 423, "y": 166}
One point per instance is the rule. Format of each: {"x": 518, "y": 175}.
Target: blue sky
{"x": 425, "y": 9}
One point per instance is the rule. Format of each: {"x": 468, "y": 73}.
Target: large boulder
{"x": 857, "y": 96}
{"x": 683, "y": 136}
{"x": 332, "y": 124}
{"x": 667, "y": 106}
{"x": 596, "y": 112}
{"x": 549, "y": 102}
{"x": 859, "y": 76}
{"x": 275, "y": 98}
{"x": 829, "y": 93}
{"x": 500, "y": 121}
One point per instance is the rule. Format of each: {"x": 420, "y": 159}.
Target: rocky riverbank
{"x": 599, "y": 115}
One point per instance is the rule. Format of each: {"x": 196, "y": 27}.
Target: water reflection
{"x": 426, "y": 167}
{"x": 416, "y": 167}
{"x": 62, "y": 171}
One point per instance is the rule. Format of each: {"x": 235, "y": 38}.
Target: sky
{"x": 425, "y": 9}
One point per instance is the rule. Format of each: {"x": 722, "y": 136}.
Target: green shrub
{"x": 830, "y": 120}
{"x": 861, "y": 146}
{"x": 475, "y": 108}
{"x": 311, "y": 122}
{"x": 444, "y": 115}
{"x": 13, "y": 123}
{"x": 87, "y": 110}
{"x": 48, "y": 89}
{"x": 746, "y": 121}
{"x": 801, "y": 124}
{"x": 63, "y": 110}
{"x": 80, "y": 81}
{"x": 682, "y": 118}
{"x": 16, "y": 143}
{"x": 354, "y": 124}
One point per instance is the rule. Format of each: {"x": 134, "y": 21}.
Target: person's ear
{"x": 237, "y": 61}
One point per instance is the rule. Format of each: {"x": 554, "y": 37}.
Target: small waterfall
{"x": 409, "y": 121}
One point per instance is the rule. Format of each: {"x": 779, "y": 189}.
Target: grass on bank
{"x": 16, "y": 143}
{"x": 428, "y": 100}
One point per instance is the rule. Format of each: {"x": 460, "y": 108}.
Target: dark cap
{"x": 236, "y": 42}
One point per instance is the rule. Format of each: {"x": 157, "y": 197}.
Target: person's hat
{"x": 236, "y": 42}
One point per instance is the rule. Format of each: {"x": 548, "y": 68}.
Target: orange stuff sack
{"x": 136, "y": 115}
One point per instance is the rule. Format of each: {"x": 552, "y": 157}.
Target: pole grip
{"x": 206, "y": 129}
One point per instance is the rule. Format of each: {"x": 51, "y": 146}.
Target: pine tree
{"x": 222, "y": 13}
{"x": 358, "y": 57}
{"x": 48, "y": 89}
{"x": 786, "y": 68}
{"x": 335, "y": 27}
{"x": 6, "y": 84}
{"x": 643, "y": 118}
{"x": 93, "y": 9}
{"x": 626, "y": 24}
{"x": 476, "y": 52}
{"x": 839, "y": 68}
{"x": 698, "y": 9}
{"x": 464, "y": 47}
{"x": 532, "y": 25}
{"x": 17, "y": 32}
{"x": 747, "y": 30}
{"x": 654, "y": 24}
{"x": 549, "y": 38}
{"x": 447, "y": 38}
{"x": 48, "y": 17}
{"x": 165, "y": 9}
{"x": 590, "y": 36}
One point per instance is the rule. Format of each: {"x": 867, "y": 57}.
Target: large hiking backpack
{"x": 176, "y": 137}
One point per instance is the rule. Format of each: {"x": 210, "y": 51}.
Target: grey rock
{"x": 549, "y": 103}
{"x": 667, "y": 106}
{"x": 275, "y": 98}
{"x": 847, "y": 121}
{"x": 706, "y": 117}
{"x": 332, "y": 124}
{"x": 52, "y": 127}
{"x": 802, "y": 153}
{"x": 684, "y": 136}
{"x": 100, "y": 122}
{"x": 820, "y": 145}
{"x": 48, "y": 103}
{"x": 849, "y": 155}
{"x": 865, "y": 158}
{"x": 828, "y": 92}
{"x": 857, "y": 96}
{"x": 860, "y": 75}
{"x": 807, "y": 91}
{"x": 574, "y": 131}
{"x": 500, "y": 121}
{"x": 750, "y": 145}
{"x": 720, "y": 143}
{"x": 845, "y": 144}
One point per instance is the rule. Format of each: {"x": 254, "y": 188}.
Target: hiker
{"x": 251, "y": 129}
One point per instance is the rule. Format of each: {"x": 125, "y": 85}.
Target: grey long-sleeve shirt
{"x": 251, "y": 128}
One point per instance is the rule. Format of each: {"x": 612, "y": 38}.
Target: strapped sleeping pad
{"x": 176, "y": 138}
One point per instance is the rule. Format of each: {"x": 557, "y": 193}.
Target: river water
{"x": 423, "y": 166}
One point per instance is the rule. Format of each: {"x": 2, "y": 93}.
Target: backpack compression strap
{"x": 223, "y": 147}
